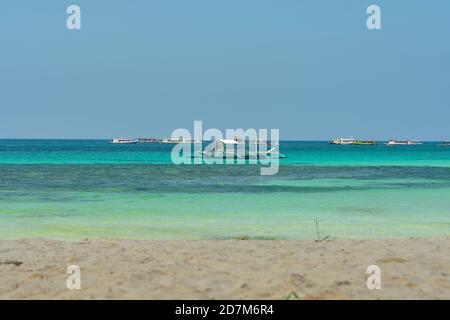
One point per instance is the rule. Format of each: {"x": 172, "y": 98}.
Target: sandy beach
{"x": 413, "y": 268}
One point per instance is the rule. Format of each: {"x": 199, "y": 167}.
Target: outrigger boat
{"x": 220, "y": 151}
{"x": 172, "y": 141}
{"x": 148, "y": 140}
{"x": 343, "y": 141}
{"x": 352, "y": 141}
{"x": 403, "y": 142}
{"x": 123, "y": 141}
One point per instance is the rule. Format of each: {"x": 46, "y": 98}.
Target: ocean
{"x": 74, "y": 189}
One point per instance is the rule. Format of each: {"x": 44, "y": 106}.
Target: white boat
{"x": 403, "y": 142}
{"x": 124, "y": 141}
{"x": 219, "y": 150}
{"x": 343, "y": 141}
{"x": 175, "y": 141}
{"x": 170, "y": 141}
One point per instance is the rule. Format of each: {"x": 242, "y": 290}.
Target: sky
{"x": 143, "y": 68}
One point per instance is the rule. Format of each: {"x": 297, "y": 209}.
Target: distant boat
{"x": 148, "y": 140}
{"x": 172, "y": 141}
{"x": 445, "y": 143}
{"x": 403, "y": 142}
{"x": 343, "y": 141}
{"x": 124, "y": 141}
{"x": 365, "y": 142}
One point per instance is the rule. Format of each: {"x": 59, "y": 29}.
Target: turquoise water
{"x": 71, "y": 189}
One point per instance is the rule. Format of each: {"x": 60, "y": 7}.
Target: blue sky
{"x": 143, "y": 68}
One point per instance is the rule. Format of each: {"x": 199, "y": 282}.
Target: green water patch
{"x": 353, "y": 214}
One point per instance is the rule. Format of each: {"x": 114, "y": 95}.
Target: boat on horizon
{"x": 343, "y": 141}
{"x": 365, "y": 142}
{"x": 403, "y": 142}
{"x": 124, "y": 141}
{"x": 353, "y": 141}
{"x": 148, "y": 140}
{"x": 169, "y": 141}
{"x": 445, "y": 143}
{"x": 178, "y": 141}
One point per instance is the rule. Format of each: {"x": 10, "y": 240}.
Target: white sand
{"x": 121, "y": 269}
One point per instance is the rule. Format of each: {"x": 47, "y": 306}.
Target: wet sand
{"x": 414, "y": 268}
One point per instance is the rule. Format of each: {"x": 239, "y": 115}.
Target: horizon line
{"x": 305, "y": 140}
